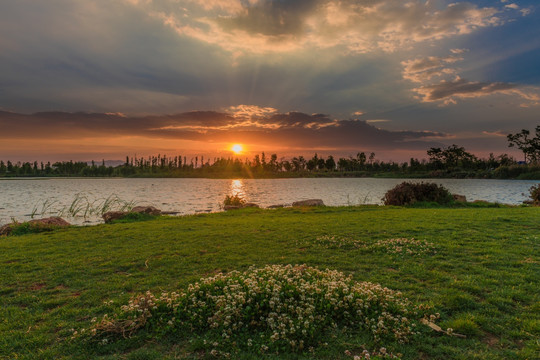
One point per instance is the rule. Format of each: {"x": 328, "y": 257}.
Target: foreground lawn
{"x": 484, "y": 278}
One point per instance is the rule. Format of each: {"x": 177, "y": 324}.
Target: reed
{"x": 82, "y": 206}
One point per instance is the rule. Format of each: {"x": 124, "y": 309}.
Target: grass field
{"x": 483, "y": 275}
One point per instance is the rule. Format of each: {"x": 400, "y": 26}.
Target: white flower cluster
{"x": 334, "y": 241}
{"x": 275, "y": 308}
{"x": 405, "y": 246}
{"x": 382, "y": 353}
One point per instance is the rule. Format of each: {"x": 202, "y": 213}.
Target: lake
{"x": 21, "y": 199}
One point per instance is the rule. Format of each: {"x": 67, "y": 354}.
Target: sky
{"x": 102, "y": 79}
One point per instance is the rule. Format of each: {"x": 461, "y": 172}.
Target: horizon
{"x": 100, "y": 80}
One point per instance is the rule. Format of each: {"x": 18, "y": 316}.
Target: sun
{"x": 237, "y": 148}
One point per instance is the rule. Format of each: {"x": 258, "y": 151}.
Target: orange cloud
{"x": 262, "y": 26}
{"x": 423, "y": 69}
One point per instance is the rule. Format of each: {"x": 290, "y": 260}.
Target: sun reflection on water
{"x": 237, "y": 188}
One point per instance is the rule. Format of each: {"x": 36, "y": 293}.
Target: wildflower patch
{"x": 278, "y": 308}
{"x": 405, "y": 246}
{"x": 341, "y": 242}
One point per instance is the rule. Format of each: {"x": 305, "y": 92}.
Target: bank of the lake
{"x": 483, "y": 279}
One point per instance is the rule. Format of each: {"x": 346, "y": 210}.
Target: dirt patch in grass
{"x": 37, "y": 286}
{"x": 490, "y": 340}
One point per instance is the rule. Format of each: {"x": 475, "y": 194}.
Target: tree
{"x": 529, "y": 146}
{"x": 330, "y": 163}
{"x": 361, "y": 158}
{"x": 371, "y": 157}
{"x": 451, "y": 157}
{"x": 273, "y": 164}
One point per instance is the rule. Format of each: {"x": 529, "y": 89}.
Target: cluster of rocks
{"x": 45, "y": 224}
{"x": 117, "y": 215}
{"x": 309, "y": 202}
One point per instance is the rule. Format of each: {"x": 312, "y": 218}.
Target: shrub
{"x": 535, "y": 194}
{"x": 134, "y": 217}
{"x": 409, "y": 193}
{"x": 234, "y": 200}
{"x": 279, "y": 308}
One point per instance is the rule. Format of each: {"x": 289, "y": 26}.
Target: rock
{"x": 7, "y": 229}
{"x": 460, "y": 198}
{"x": 253, "y": 205}
{"x": 276, "y": 206}
{"x": 150, "y": 210}
{"x": 116, "y": 215}
{"x": 113, "y": 215}
{"x": 231, "y": 207}
{"x": 310, "y": 202}
{"x": 170, "y": 212}
{"x": 54, "y": 221}
{"x": 42, "y": 224}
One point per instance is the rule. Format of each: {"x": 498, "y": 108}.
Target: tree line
{"x": 452, "y": 161}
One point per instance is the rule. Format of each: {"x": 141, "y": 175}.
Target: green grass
{"x": 483, "y": 280}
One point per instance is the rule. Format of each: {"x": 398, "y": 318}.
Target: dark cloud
{"x": 272, "y": 18}
{"x": 294, "y": 129}
{"x": 462, "y": 88}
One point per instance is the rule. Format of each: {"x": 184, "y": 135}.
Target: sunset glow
{"x": 194, "y": 77}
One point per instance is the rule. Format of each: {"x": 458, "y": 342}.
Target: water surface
{"x": 20, "y": 198}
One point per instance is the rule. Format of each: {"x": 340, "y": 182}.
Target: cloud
{"x": 448, "y": 91}
{"x": 292, "y": 129}
{"x": 228, "y": 6}
{"x": 458, "y": 51}
{"x": 262, "y": 26}
{"x": 514, "y": 6}
{"x": 495, "y": 133}
{"x": 377, "y": 121}
{"x": 525, "y": 12}
{"x": 452, "y": 87}
{"x": 250, "y": 111}
{"x": 530, "y": 94}
{"x": 423, "y": 69}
